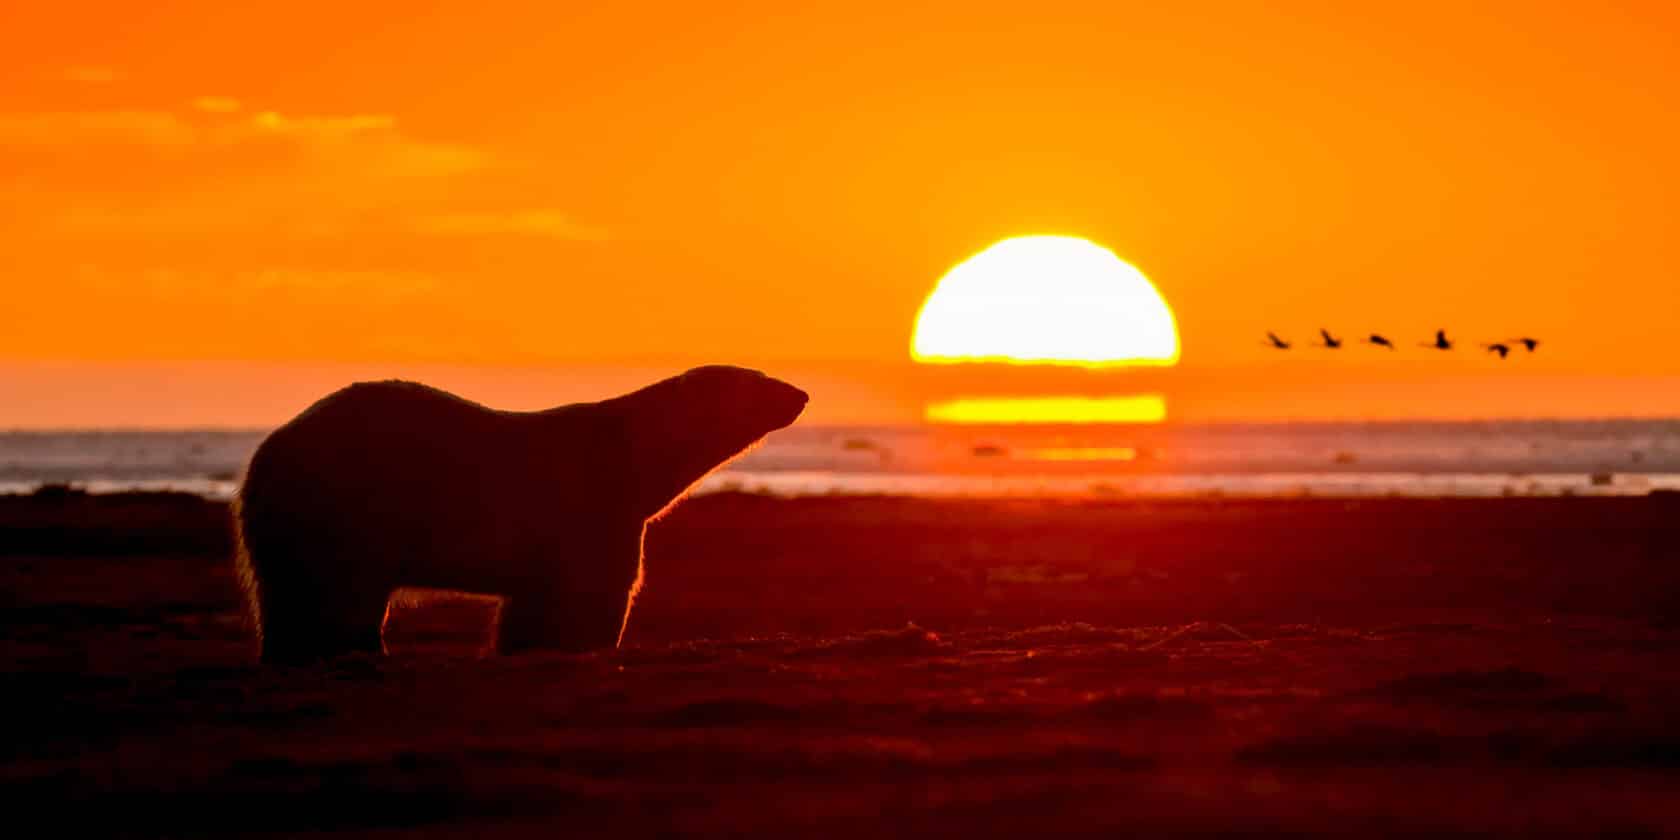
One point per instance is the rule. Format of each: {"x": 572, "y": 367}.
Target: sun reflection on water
{"x": 1082, "y": 453}
{"x": 1131, "y": 408}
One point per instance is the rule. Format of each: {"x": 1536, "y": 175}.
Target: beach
{"x": 905, "y": 666}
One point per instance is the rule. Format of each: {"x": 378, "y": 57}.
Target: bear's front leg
{"x": 569, "y": 622}
{"x": 574, "y": 592}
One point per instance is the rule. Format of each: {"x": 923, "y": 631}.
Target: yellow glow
{"x": 1142, "y": 408}
{"x": 1045, "y": 300}
{"x": 1083, "y": 453}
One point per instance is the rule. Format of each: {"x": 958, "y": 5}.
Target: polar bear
{"x": 396, "y": 484}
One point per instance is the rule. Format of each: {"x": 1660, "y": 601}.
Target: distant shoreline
{"x": 1478, "y": 458}
{"x": 1301, "y": 423}
{"x": 1095, "y": 487}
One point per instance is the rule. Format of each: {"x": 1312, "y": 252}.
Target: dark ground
{"x": 1379, "y": 667}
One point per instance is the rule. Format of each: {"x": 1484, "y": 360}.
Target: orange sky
{"x": 516, "y": 189}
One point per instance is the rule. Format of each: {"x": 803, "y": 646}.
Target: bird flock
{"x": 1441, "y": 342}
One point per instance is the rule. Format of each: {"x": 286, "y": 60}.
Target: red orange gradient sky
{"x": 212, "y": 211}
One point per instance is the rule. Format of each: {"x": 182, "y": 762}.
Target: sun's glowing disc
{"x": 1045, "y": 300}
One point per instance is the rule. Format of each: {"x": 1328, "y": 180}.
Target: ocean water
{"x": 1485, "y": 458}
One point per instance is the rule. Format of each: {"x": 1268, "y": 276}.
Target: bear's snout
{"x": 789, "y": 402}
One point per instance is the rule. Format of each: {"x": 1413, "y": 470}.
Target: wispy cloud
{"x": 218, "y": 135}
{"x": 230, "y": 226}
{"x": 173, "y": 311}
{"x": 72, "y": 133}
{"x": 380, "y": 286}
{"x": 217, "y": 104}
{"x": 217, "y": 169}
{"x": 541, "y": 223}
{"x": 91, "y": 74}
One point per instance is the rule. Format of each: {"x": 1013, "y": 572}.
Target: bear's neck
{"x": 666, "y": 458}
{"x": 647, "y": 457}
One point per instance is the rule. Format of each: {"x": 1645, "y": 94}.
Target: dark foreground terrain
{"x": 1380, "y": 667}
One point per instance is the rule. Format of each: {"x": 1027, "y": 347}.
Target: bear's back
{"x": 400, "y": 453}
{"x": 391, "y": 425}
{"x": 374, "y": 452}
{"x": 388, "y": 405}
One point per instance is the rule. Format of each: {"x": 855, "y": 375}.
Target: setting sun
{"x": 1046, "y": 300}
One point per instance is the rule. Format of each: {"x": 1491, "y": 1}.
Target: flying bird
{"x": 1530, "y": 343}
{"x": 1501, "y": 349}
{"x": 1379, "y": 341}
{"x": 1279, "y": 343}
{"x": 1330, "y": 341}
{"x": 1441, "y": 342}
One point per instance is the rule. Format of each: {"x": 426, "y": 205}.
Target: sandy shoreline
{"x": 1381, "y": 666}
{"x": 739, "y": 564}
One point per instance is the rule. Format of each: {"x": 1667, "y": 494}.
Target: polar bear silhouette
{"x": 396, "y": 484}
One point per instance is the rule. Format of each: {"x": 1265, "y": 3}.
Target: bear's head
{"x": 686, "y": 426}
